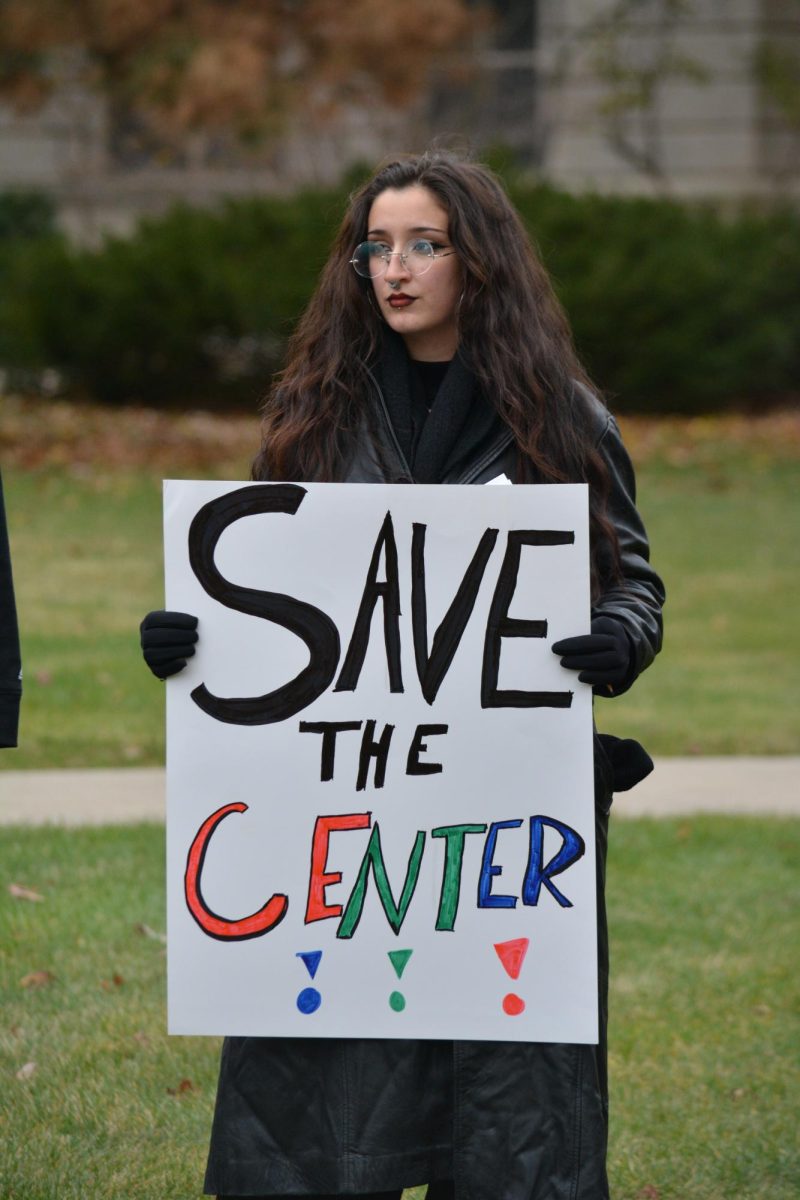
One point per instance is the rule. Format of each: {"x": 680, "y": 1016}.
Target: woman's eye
{"x": 421, "y": 246}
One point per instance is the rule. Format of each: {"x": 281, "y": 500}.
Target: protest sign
{"x": 380, "y": 790}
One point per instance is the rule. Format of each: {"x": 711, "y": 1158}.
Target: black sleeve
{"x": 637, "y": 599}
{"x": 10, "y": 666}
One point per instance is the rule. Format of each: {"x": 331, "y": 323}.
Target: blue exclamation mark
{"x": 309, "y": 999}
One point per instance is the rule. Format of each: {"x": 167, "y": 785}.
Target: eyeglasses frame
{"x": 388, "y": 255}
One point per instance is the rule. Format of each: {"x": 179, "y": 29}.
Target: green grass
{"x": 724, "y": 536}
{"x": 722, "y": 517}
{"x": 87, "y": 566}
{"x": 704, "y": 1001}
{"x": 97, "y": 1118}
{"x": 704, "y": 1026}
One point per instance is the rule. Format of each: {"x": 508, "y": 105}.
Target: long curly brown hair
{"x": 512, "y": 332}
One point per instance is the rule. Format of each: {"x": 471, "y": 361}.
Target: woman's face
{"x": 421, "y": 308}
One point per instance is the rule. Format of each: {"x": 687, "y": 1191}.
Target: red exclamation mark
{"x": 512, "y": 955}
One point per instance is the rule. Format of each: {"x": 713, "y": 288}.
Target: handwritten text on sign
{"x": 380, "y": 800}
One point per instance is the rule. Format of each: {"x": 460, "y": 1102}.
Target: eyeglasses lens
{"x": 372, "y": 259}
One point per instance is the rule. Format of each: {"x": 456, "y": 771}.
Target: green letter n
{"x": 373, "y": 857}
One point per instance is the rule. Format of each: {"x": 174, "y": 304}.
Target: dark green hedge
{"x": 25, "y": 214}
{"x": 675, "y": 309}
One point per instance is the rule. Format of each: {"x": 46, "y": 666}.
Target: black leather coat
{"x": 506, "y": 1121}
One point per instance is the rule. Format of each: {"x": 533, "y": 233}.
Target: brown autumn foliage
{"x": 230, "y": 64}
{"x": 183, "y": 1087}
{"x": 37, "y": 434}
{"x": 37, "y": 979}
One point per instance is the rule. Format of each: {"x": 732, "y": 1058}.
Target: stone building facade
{"x": 691, "y": 98}
{"x": 678, "y": 97}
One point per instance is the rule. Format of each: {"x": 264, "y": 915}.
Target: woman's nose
{"x": 396, "y": 268}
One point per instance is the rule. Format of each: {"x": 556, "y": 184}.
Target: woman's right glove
{"x": 167, "y": 639}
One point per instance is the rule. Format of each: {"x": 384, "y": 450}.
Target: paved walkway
{"x": 678, "y": 786}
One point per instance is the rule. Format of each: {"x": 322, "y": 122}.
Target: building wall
{"x": 535, "y": 85}
{"x": 708, "y": 127}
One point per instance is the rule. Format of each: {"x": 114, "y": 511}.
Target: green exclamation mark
{"x": 399, "y": 960}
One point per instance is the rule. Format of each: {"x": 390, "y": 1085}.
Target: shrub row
{"x": 675, "y": 309}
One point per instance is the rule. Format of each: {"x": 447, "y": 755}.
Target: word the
{"x": 372, "y": 748}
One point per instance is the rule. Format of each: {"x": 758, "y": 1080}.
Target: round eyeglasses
{"x": 371, "y": 259}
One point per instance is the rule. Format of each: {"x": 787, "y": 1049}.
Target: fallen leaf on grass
{"x": 184, "y": 1086}
{"x": 146, "y": 931}
{"x": 37, "y": 979}
{"x": 738, "y": 1094}
{"x": 43, "y": 678}
{"x": 23, "y": 893}
{"x": 648, "y": 1192}
{"x": 141, "y": 1038}
{"x": 26, "y": 1071}
{"x": 114, "y": 981}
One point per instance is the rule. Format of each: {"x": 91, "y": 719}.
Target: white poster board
{"x": 380, "y": 815}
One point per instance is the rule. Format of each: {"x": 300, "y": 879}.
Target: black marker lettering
{"x": 418, "y": 746}
{"x": 329, "y": 730}
{"x": 310, "y": 624}
{"x": 371, "y": 749}
{"x": 389, "y": 593}
{"x": 432, "y": 668}
{"x": 500, "y": 625}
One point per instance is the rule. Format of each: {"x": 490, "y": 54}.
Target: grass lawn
{"x": 721, "y": 499}
{"x": 726, "y": 542}
{"x": 97, "y": 1102}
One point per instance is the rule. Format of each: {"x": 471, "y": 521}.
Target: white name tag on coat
{"x": 380, "y": 784}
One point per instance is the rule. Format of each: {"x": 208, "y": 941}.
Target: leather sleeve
{"x": 10, "y": 669}
{"x": 637, "y": 599}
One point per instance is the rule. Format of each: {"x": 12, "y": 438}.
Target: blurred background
{"x": 171, "y": 176}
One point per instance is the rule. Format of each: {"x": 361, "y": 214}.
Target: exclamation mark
{"x": 512, "y": 956}
{"x": 399, "y": 960}
{"x": 309, "y": 999}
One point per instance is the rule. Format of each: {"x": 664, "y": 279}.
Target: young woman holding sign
{"x": 434, "y": 351}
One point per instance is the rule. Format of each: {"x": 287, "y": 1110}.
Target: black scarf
{"x": 460, "y": 422}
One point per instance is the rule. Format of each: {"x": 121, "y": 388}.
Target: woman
{"x": 434, "y": 351}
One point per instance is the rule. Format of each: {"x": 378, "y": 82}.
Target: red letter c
{"x": 260, "y": 922}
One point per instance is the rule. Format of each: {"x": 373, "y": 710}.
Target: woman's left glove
{"x": 603, "y": 656}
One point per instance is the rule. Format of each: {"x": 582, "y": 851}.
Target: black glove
{"x": 603, "y": 656}
{"x": 629, "y": 760}
{"x": 167, "y": 640}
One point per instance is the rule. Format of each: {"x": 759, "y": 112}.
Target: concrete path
{"x": 678, "y": 786}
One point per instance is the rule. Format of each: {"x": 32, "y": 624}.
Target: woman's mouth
{"x": 400, "y": 300}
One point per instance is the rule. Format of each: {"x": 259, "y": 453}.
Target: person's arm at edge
{"x": 10, "y": 660}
